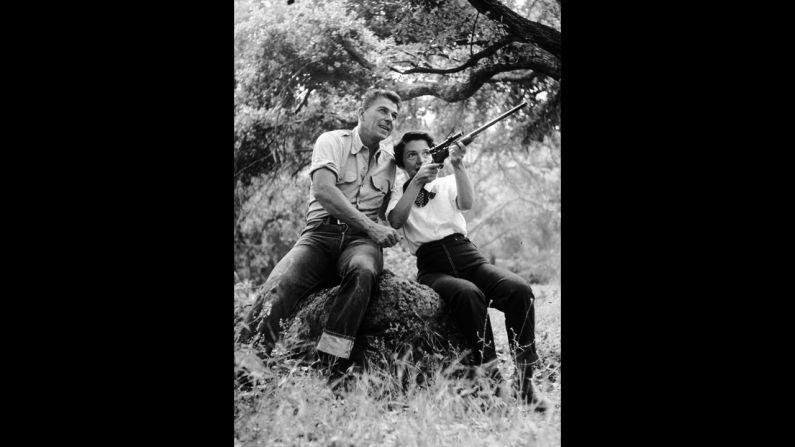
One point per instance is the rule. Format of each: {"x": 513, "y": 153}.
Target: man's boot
{"x": 533, "y": 397}
{"x": 528, "y": 393}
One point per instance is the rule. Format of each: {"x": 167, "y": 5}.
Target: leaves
{"x": 300, "y": 70}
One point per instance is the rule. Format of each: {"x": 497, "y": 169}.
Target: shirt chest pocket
{"x": 349, "y": 173}
{"x": 380, "y": 184}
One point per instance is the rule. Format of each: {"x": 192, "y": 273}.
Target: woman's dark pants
{"x": 468, "y": 285}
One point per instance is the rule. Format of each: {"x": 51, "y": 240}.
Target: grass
{"x": 293, "y": 405}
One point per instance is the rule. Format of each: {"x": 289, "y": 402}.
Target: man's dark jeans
{"x": 324, "y": 254}
{"x": 468, "y": 284}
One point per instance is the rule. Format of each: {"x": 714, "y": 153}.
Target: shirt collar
{"x": 358, "y": 145}
{"x": 357, "y": 141}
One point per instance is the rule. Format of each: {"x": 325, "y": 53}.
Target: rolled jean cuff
{"x": 335, "y": 344}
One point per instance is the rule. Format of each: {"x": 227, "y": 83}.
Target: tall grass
{"x": 291, "y": 404}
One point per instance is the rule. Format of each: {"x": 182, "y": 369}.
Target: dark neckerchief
{"x": 423, "y": 197}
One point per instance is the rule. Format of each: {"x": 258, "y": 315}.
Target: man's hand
{"x": 383, "y": 235}
{"x": 457, "y": 153}
{"x": 426, "y": 173}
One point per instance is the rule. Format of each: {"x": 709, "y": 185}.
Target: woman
{"x": 428, "y": 209}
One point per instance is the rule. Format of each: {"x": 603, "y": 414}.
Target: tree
{"x": 301, "y": 68}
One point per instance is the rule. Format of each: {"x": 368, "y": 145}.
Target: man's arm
{"x": 465, "y": 197}
{"x": 397, "y": 217}
{"x": 335, "y": 202}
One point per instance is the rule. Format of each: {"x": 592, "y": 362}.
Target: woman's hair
{"x": 407, "y": 137}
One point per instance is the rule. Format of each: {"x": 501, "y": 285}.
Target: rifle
{"x": 442, "y": 150}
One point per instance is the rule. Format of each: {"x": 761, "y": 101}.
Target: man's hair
{"x": 405, "y": 139}
{"x": 371, "y": 95}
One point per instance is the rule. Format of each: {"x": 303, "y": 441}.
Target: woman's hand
{"x": 427, "y": 173}
{"x": 457, "y": 153}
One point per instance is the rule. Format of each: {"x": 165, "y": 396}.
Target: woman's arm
{"x": 465, "y": 197}
{"x": 397, "y": 217}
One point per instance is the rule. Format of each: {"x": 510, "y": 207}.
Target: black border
{"x": 656, "y": 135}
{"x": 135, "y": 323}
{"x": 132, "y": 323}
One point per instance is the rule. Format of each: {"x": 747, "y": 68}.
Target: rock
{"x": 404, "y": 319}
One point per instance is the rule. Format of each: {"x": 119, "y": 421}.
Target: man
{"x": 343, "y": 239}
{"x": 428, "y": 209}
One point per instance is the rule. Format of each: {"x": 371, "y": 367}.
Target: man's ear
{"x": 360, "y": 112}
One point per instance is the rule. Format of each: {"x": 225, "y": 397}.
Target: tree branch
{"x": 303, "y": 101}
{"x": 466, "y": 42}
{"x": 469, "y": 63}
{"x": 528, "y": 31}
{"x": 472, "y": 33}
{"x": 522, "y": 76}
{"x": 458, "y": 91}
{"x": 355, "y": 54}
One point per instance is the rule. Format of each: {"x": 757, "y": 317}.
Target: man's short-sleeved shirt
{"x": 439, "y": 218}
{"x": 342, "y": 152}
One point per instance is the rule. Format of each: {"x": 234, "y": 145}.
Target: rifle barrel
{"x": 495, "y": 120}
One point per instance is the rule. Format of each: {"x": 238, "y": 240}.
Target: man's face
{"x": 415, "y": 154}
{"x": 377, "y": 121}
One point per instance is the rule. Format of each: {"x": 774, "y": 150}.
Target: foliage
{"x": 516, "y": 217}
{"x": 300, "y": 70}
{"x": 290, "y": 72}
{"x": 292, "y": 404}
{"x": 269, "y": 222}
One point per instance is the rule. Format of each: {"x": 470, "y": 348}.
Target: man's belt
{"x": 333, "y": 220}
